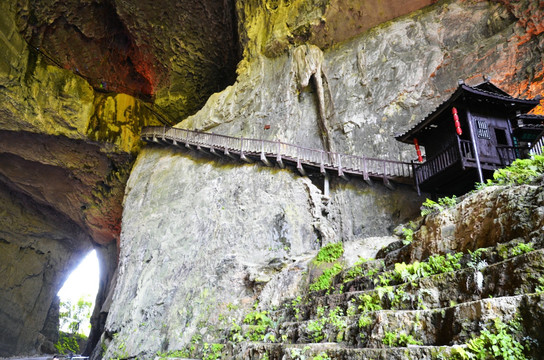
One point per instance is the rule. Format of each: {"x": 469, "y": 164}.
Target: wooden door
{"x": 486, "y": 147}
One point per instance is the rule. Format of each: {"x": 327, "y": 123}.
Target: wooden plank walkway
{"x": 270, "y": 152}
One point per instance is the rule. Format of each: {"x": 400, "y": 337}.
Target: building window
{"x": 483, "y": 129}
{"x": 500, "y": 135}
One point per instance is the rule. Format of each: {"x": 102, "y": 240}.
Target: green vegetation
{"x": 429, "y": 206}
{"x": 68, "y": 343}
{"x": 173, "y": 354}
{"x": 321, "y": 356}
{"x": 498, "y": 343}
{"x": 521, "y": 171}
{"x": 399, "y": 339}
{"x": 330, "y": 253}
{"x": 436, "y": 264}
{"x": 334, "y": 319}
{"x": 368, "y": 302}
{"x": 325, "y": 280}
{"x": 357, "y": 270}
{"x": 540, "y": 287}
{"x": 212, "y": 351}
{"x": 258, "y": 322}
{"x": 295, "y": 305}
{"x": 408, "y": 232}
{"x": 71, "y": 317}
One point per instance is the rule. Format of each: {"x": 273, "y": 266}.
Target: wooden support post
{"x": 242, "y": 155}
{"x": 264, "y": 159}
{"x": 278, "y": 156}
{"x": 416, "y": 180}
{"x": 340, "y": 171}
{"x": 386, "y": 181}
{"x": 366, "y": 178}
{"x": 212, "y": 150}
{"x": 476, "y": 152}
{"x": 326, "y": 185}
{"x": 227, "y": 153}
{"x": 299, "y": 165}
{"x": 300, "y": 168}
{"x": 322, "y": 166}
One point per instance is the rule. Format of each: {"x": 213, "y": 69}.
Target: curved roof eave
{"x": 405, "y": 136}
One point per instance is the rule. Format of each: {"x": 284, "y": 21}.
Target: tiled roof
{"x": 485, "y": 89}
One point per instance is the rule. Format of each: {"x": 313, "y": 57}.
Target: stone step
{"x": 444, "y": 326}
{"x": 334, "y": 351}
{"x": 517, "y": 275}
{"x": 491, "y": 255}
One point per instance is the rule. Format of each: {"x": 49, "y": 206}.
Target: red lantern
{"x": 418, "y": 151}
{"x": 456, "y": 121}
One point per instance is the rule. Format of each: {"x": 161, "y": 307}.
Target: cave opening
{"x": 77, "y": 297}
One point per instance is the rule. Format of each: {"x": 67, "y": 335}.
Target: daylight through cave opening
{"x": 77, "y": 296}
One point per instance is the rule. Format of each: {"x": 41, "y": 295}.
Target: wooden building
{"x": 466, "y": 138}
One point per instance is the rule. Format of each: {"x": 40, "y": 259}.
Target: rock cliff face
{"x": 240, "y": 224}
{"x": 199, "y": 236}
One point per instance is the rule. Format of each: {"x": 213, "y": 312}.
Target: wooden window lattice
{"x": 483, "y": 129}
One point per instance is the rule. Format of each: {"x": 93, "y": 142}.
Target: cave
{"x": 78, "y": 81}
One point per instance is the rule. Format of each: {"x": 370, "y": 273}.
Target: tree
{"x": 73, "y": 316}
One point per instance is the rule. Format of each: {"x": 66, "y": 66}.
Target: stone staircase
{"x": 379, "y": 310}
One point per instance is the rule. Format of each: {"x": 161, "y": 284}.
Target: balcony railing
{"x": 438, "y": 163}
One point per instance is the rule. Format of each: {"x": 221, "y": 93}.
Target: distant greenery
{"x": 72, "y": 316}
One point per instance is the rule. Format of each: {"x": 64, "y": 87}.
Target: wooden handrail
{"x": 536, "y": 149}
{"x": 279, "y": 151}
{"x": 437, "y": 163}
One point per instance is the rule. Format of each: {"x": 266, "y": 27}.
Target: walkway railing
{"x": 440, "y": 162}
{"x": 536, "y": 149}
{"x": 280, "y": 152}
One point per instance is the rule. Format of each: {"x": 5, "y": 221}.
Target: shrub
{"x": 429, "y": 206}
{"x": 330, "y": 253}
{"x": 521, "y": 171}
{"x": 399, "y": 339}
{"x": 68, "y": 343}
{"x": 498, "y": 343}
{"x": 258, "y": 322}
{"x": 325, "y": 280}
